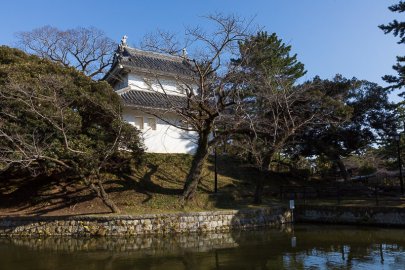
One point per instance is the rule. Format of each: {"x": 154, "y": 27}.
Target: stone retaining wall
{"x": 143, "y": 224}
{"x": 381, "y": 216}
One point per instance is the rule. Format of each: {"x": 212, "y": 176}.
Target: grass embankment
{"x": 153, "y": 187}
{"x": 398, "y": 202}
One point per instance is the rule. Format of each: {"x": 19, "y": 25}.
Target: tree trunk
{"x": 258, "y": 191}
{"x": 102, "y": 194}
{"x": 194, "y": 174}
{"x": 106, "y": 199}
{"x": 342, "y": 168}
{"x": 259, "y": 183}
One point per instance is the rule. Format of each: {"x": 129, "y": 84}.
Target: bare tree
{"x": 258, "y": 109}
{"x": 163, "y": 42}
{"x": 210, "y": 92}
{"x": 277, "y": 112}
{"x": 86, "y": 49}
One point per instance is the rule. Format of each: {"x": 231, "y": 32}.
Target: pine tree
{"x": 56, "y": 123}
{"x": 270, "y": 56}
{"x": 398, "y": 30}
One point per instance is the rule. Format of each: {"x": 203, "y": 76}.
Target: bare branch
{"x": 86, "y": 49}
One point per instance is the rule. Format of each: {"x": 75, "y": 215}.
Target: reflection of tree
{"x": 294, "y": 261}
{"x": 262, "y": 249}
{"x": 319, "y": 247}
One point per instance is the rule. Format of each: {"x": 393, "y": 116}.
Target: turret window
{"x": 152, "y": 123}
{"x": 139, "y": 122}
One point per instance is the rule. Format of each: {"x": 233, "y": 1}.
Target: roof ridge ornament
{"x": 122, "y": 44}
{"x": 124, "y": 41}
{"x": 184, "y": 52}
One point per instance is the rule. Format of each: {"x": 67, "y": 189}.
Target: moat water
{"x": 298, "y": 247}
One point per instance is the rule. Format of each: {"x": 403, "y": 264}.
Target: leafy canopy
{"x": 54, "y": 118}
{"x": 398, "y": 30}
{"x": 269, "y": 55}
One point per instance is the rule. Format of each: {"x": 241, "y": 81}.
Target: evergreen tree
{"x": 270, "y": 56}
{"x": 398, "y": 30}
{"x": 56, "y": 121}
{"x": 372, "y": 119}
{"x": 276, "y": 108}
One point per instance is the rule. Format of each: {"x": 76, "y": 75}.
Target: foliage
{"x": 266, "y": 73}
{"x": 398, "y": 30}
{"x": 389, "y": 151}
{"x": 372, "y": 119}
{"x": 276, "y": 110}
{"x": 54, "y": 119}
{"x": 268, "y": 54}
{"x": 210, "y": 93}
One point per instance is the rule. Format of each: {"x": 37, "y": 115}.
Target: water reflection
{"x": 304, "y": 247}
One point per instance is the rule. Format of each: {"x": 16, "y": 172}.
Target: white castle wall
{"x": 161, "y": 85}
{"x": 166, "y": 138}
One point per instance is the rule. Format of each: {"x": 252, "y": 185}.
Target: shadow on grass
{"x": 143, "y": 185}
{"x": 240, "y": 193}
{"x": 42, "y": 195}
{"x": 160, "y": 179}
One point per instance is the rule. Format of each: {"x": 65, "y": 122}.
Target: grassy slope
{"x": 158, "y": 184}
{"x": 153, "y": 187}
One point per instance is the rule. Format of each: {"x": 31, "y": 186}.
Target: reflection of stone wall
{"x": 150, "y": 244}
{"x": 351, "y": 215}
{"x": 144, "y": 224}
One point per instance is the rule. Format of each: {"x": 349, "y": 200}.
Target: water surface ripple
{"x": 298, "y": 247}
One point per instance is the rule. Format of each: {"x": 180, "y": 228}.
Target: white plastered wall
{"x": 166, "y": 138}
{"x": 163, "y": 85}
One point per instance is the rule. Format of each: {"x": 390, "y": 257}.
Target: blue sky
{"x": 329, "y": 36}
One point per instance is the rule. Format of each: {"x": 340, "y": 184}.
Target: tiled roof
{"x": 155, "y": 62}
{"x": 152, "y": 99}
